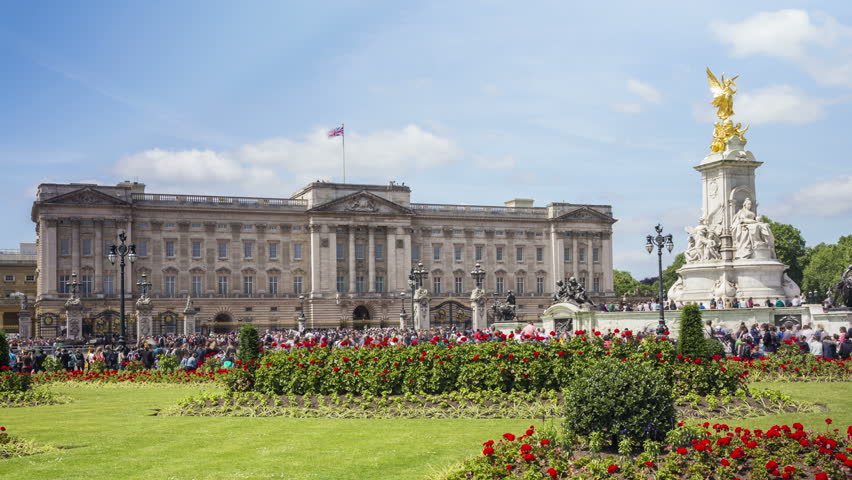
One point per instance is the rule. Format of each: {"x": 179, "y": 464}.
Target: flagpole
{"x": 343, "y": 139}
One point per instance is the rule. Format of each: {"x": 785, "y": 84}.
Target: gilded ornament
{"x": 723, "y": 99}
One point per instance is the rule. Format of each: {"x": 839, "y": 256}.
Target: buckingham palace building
{"x": 339, "y": 253}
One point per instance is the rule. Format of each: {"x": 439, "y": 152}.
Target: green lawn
{"x": 109, "y": 432}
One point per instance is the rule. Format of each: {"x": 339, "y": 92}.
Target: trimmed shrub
{"x": 620, "y": 400}
{"x": 714, "y": 347}
{"x": 691, "y": 343}
{"x": 16, "y": 382}
{"x": 249, "y": 350}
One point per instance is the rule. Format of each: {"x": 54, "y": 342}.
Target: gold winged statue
{"x": 723, "y": 99}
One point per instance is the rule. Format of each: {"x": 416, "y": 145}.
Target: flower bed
{"x": 15, "y": 447}
{"x": 690, "y": 452}
{"x": 31, "y": 398}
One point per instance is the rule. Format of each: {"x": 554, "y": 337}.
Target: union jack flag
{"x": 336, "y": 132}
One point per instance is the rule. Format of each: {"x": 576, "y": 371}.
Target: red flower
{"x": 771, "y": 465}
{"x": 509, "y": 467}
{"x": 725, "y": 462}
{"x": 821, "y": 476}
{"x": 612, "y": 469}
{"x": 488, "y": 451}
{"x": 552, "y": 472}
{"x": 529, "y": 457}
{"x": 828, "y": 421}
{"x": 526, "y": 448}
{"x": 650, "y": 464}
{"x": 2, "y": 429}
{"x": 544, "y": 442}
{"x": 509, "y": 436}
{"x": 737, "y": 453}
{"x": 682, "y": 451}
{"x": 790, "y": 469}
{"x": 488, "y": 443}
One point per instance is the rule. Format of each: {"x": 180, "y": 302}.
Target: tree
{"x": 623, "y": 282}
{"x": 789, "y": 248}
{"x": 825, "y": 265}
{"x": 690, "y": 343}
{"x": 652, "y": 284}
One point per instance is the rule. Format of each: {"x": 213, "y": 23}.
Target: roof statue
{"x": 723, "y": 99}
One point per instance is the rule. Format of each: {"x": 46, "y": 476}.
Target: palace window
{"x": 379, "y": 251}
{"x": 141, "y": 248}
{"x": 478, "y": 253}
{"x": 340, "y": 250}
{"x": 248, "y": 285}
{"x": 223, "y": 248}
{"x": 500, "y": 286}
{"x": 539, "y": 285}
{"x": 566, "y": 252}
{"x": 539, "y": 254}
{"x": 273, "y": 250}
{"x": 380, "y": 284}
{"x": 248, "y": 249}
{"x": 436, "y": 285}
{"x": 436, "y": 253}
{"x": 9, "y": 278}
{"x": 87, "y": 247}
{"x": 64, "y": 247}
{"x": 359, "y": 251}
{"x": 596, "y": 284}
{"x": 457, "y": 253}
{"x": 196, "y": 285}
{"x": 519, "y": 254}
{"x": 415, "y": 252}
{"x": 273, "y": 284}
{"x": 583, "y": 281}
{"x": 86, "y": 284}
{"x": 459, "y": 285}
{"x": 359, "y": 284}
{"x": 340, "y": 284}
{"x": 499, "y": 254}
{"x": 29, "y": 278}
{"x": 582, "y": 254}
{"x": 223, "y": 285}
{"x": 297, "y": 285}
{"x": 62, "y": 286}
{"x": 297, "y": 251}
{"x": 596, "y": 255}
{"x": 196, "y": 249}
{"x": 109, "y": 285}
{"x": 169, "y": 285}
{"x": 520, "y": 284}
{"x": 170, "y": 248}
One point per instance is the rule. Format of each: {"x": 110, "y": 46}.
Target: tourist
{"x": 815, "y": 345}
{"x": 529, "y": 330}
{"x": 770, "y": 339}
{"x": 807, "y": 333}
{"x": 768, "y": 303}
{"x": 750, "y": 302}
{"x": 712, "y": 304}
{"x": 701, "y": 306}
{"x": 844, "y": 348}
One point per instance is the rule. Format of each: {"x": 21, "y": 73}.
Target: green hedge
{"x": 691, "y": 343}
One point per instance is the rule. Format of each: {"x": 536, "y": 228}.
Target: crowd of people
{"x": 653, "y": 305}
{"x": 190, "y": 352}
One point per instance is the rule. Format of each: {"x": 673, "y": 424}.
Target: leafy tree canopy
{"x": 825, "y": 265}
{"x": 789, "y": 248}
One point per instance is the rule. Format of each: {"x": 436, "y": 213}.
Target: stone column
{"x": 405, "y": 265}
{"x": 73, "y": 318}
{"x": 47, "y": 255}
{"x": 128, "y": 270}
{"x": 75, "y": 245}
{"x": 477, "y": 302}
{"x": 421, "y": 309}
{"x": 351, "y": 259}
{"x": 574, "y": 255}
{"x": 189, "y": 318}
{"x": 391, "y": 281}
{"x": 144, "y": 320}
{"x": 25, "y": 323}
{"x": 371, "y": 258}
{"x": 606, "y": 263}
{"x": 331, "y": 259}
{"x": 316, "y": 269}
{"x": 98, "y": 252}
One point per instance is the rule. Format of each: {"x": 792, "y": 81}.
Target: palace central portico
{"x": 346, "y": 249}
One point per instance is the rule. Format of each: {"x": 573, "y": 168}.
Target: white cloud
{"x": 645, "y": 91}
{"x": 818, "y": 43}
{"x": 831, "y": 198}
{"x": 265, "y": 167}
{"x": 627, "y": 107}
{"x": 778, "y": 104}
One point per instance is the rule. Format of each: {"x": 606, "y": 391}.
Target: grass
{"x": 109, "y": 432}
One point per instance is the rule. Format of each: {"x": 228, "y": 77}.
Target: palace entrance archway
{"x": 222, "y": 323}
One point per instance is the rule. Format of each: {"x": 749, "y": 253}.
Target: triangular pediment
{"x": 86, "y": 196}
{"x": 360, "y": 203}
{"x": 587, "y": 214}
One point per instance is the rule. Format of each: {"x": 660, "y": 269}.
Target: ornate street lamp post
{"x": 477, "y": 273}
{"x": 660, "y": 241}
{"x": 402, "y": 314}
{"x": 73, "y": 285}
{"x": 121, "y": 251}
{"x": 143, "y": 285}
{"x": 302, "y": 319}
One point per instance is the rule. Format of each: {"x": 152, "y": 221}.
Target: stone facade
{"x": 347, "y": 249}
{"x": 17, "y": 275}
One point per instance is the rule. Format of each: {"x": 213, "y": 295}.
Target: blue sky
{"x": 466, "y": 102}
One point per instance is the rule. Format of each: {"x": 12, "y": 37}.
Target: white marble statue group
{"x": 752, "y": 238}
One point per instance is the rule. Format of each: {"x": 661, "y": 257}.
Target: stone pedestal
{"x": 477, "y": 303}
{"x": 189, "y": 318}
{"x": 731, "y": 253}
{"x": 25, "y": 323}
{"x": 403, "y": 320}
{"x": 73, "y": 318}
{"x": 144, "y": 320}
{"x": 421, "y": 309}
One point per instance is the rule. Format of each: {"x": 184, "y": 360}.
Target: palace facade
{"x": 340, "y": 252}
